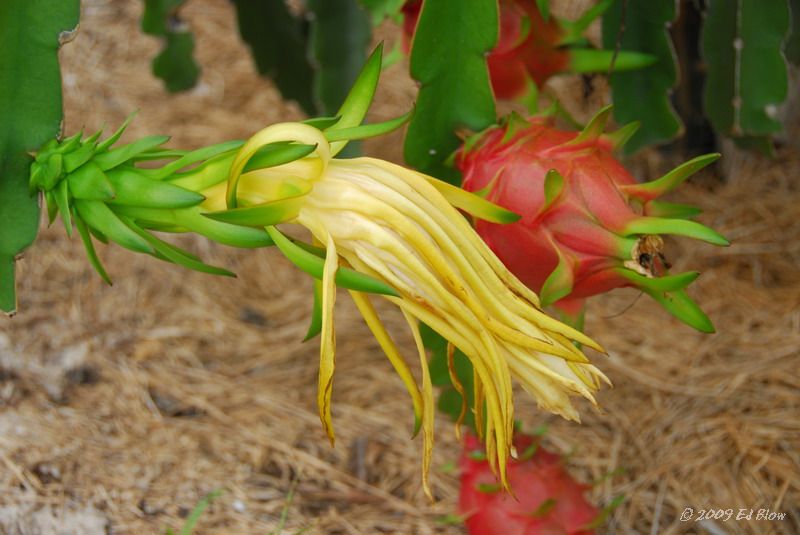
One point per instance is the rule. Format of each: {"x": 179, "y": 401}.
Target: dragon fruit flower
{"x": 587, "y": 225}
{"x": 532, "y": 48}
{"x": 377, "y": 228}
{"x": 401, "y": 228}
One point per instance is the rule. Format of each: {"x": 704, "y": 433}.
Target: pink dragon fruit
{"x": 587, "y": 225}
{"x": 547, "y": 500}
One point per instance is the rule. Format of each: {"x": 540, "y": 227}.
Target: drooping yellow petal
{"x": 390, "y": 349}
{"x": 327, "y": 350}
{"x": 427, "y": 407}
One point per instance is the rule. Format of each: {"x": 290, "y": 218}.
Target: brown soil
{"x": 121, "y": 407}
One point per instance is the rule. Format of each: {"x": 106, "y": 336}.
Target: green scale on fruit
{"x": 587, "y": 225}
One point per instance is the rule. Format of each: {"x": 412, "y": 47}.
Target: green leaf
{"x": 30, "y": 114}
{"x": 175, "y": 64}
{"x": 746, "y": 71}
{"x": 644, "y": 94}
{"x": 451, "y": 42}
{"x": 277, "y": 41}
{"x": 340, "y": 35}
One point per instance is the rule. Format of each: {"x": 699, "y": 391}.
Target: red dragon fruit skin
{"x": 587, "y": 225}
{"x": 547, "y": 500}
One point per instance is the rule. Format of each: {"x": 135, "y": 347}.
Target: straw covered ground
{"x": 121, "y": 407}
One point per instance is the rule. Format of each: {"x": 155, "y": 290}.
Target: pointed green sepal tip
{"x": 358, "y": 100}
{"x": 558, "y": 284}
{"x": 553, "y": 187}
{"x": 670, "y": 181}
{"x": 678, "y": 227}
{"x": 513, "y": 123}
{"x": 368, "y": 130}
{"x": 278, "y": 153}
{"x": 668, "y": 283}
{"x": 473, "y": 204}
{"x": 313, "y": 264}
{"x": 595, "y": 128}
{"x": 619, "y": 137}
{"x": 262, "y": 215}
{"x": 683, "y": 308}
{"x": 323, "y": 123}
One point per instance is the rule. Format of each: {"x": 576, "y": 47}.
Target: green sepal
{"x": 52, "y": 206}
{"x": 203, "y": 176}
{"x": 78, "y": 157}
{"x": 368, "y": 130}
{"x": 682, "y": 307}
{"x": 313, "y": 265}
{"x": 322, "y": 123}
{"x": 278, "y": 153}
{"x": 670, "y": 181}
{"x": 544, "y": 508}
{"x": 174, "y": 254}
{"x": 49, "y": 172}
{"x": 91, "y": 253}
{"x": 113, "y": 138}
{"x": 262, "y": 215}
{"x": 668, "y": 283}
{"x": 133, "y": 189}
{"x": 678, "y": 227}
{"x": 91, "y": 183}
{"x": 553, "y": 187}
{"x": 619, "y": 137}
{"x": 60, "y": 195}
{"x": 671, "y": 210}
{"x": 595, "y": 128}
{"x": 97, "y": 215}
{"x": 67, "y": 144}
{"x": 109, "y": 160}
{"x": 199, "y": 155}
{"x": 559, "y": 283}
{"x": 474, "y": 205}
{"x": 192, "y": 220}
{"x": 584, "y": 60}
{"x": 316, "y": 312}
{"x": 355, "y": 106}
